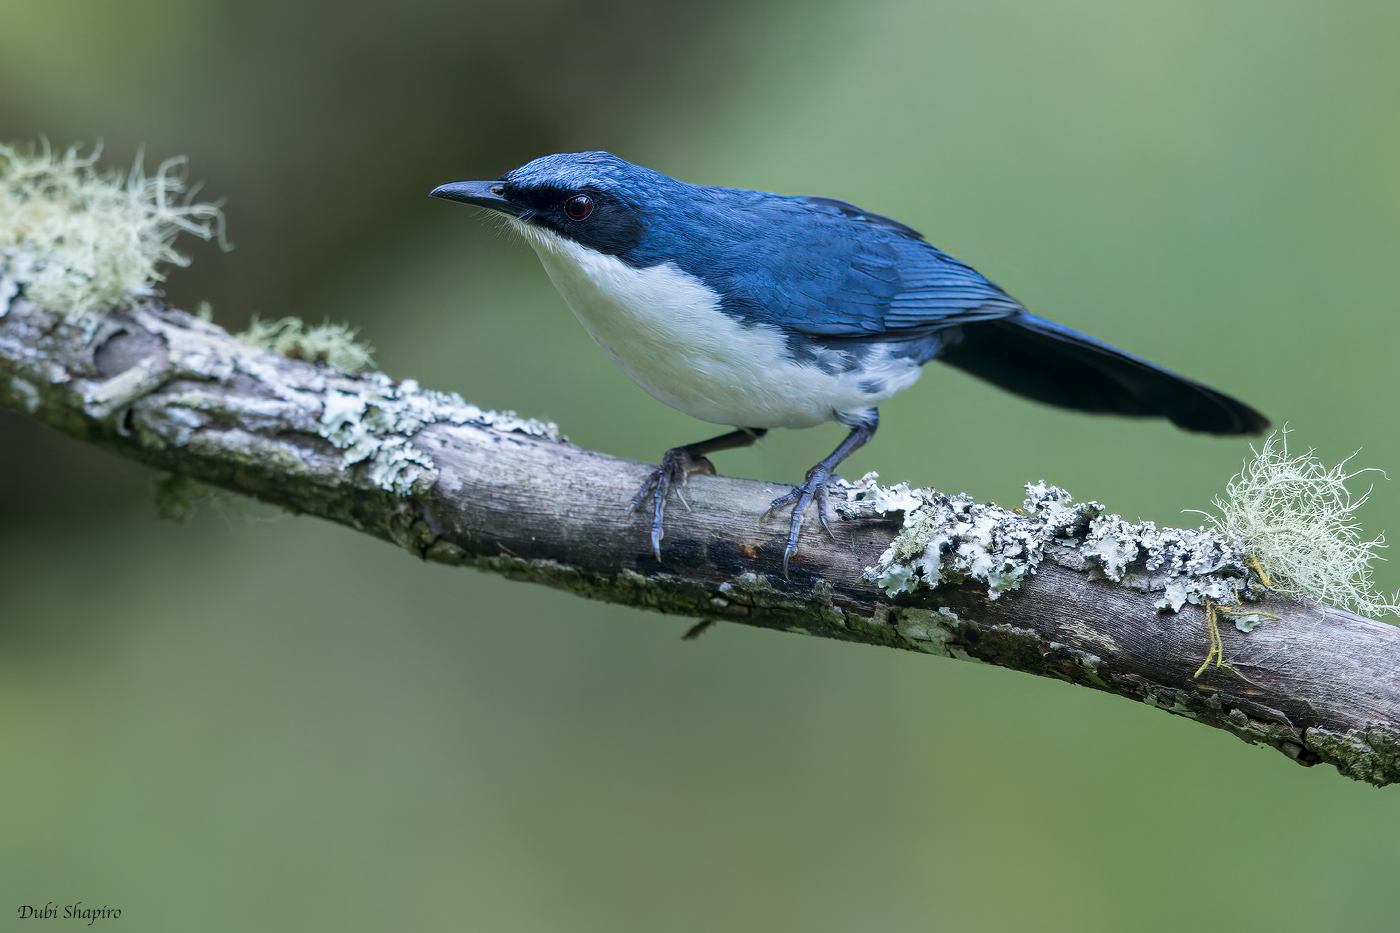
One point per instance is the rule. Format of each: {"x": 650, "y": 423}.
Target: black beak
{"x": 485, "y": 194}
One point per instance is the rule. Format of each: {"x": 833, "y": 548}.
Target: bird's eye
{"x": 578, "y": 207}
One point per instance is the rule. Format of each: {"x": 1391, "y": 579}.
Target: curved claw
{"x": 674, "y": 472}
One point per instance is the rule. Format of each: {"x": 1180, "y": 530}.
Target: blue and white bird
{"x": 763, "y": 311}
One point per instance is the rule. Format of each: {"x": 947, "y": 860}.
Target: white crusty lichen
{"x": 950, "y": 538}
{"x": 374, "y": 424}
{"x": 333, "y": 344}
{"x": 77, "y": 240}
{"x": 1296, "y": 517}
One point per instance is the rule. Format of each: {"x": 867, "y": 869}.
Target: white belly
{"x": 664, "y": 327}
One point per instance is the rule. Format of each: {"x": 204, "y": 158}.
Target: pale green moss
{"x": 333, "y": 344}
{"x": 77, "y": 240}
{"x": 1297, "y": 518}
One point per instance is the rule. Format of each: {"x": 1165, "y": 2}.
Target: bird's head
{"x": 592, "y": 198}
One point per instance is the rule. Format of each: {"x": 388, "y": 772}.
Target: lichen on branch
{"x": 954, "y": 538}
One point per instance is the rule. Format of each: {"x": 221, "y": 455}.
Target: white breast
{"x": 664, "y": 327}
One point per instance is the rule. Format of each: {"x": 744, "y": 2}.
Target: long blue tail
{"x": 1042, "y": 360}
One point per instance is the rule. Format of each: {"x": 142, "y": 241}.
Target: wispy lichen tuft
{"x": 78, "y": 240}
{"x": 334, "y": 344}
{"x": 1297, "y": 518}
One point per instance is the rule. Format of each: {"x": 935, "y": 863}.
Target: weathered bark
{"x": 457, "y": 485}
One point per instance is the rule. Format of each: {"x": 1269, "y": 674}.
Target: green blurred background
{"x": 280, "y": 724}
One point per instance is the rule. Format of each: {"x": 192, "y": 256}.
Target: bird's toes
{"x": 673, "y": 473}
{"x": 644, "y": 494}
{"x": 778, "y": 503}
{"x": 801, "y": 497}
{"x": 813, "y": 489}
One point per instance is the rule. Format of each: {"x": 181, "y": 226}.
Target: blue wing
{"x": 845, "y": 272}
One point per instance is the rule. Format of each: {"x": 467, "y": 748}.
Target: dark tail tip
{"x": 1051, "y": 363}
{"x": 1212, "y": 412}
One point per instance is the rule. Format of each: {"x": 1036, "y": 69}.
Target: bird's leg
{"x": 675, "y": 470}
{"x": 814, "y": 486}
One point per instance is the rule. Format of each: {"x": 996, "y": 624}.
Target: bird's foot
{"x": 813, "y": 488}
{"x": 673, "y": 473}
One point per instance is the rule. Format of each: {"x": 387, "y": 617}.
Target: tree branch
{"x": 458, "y": 485}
